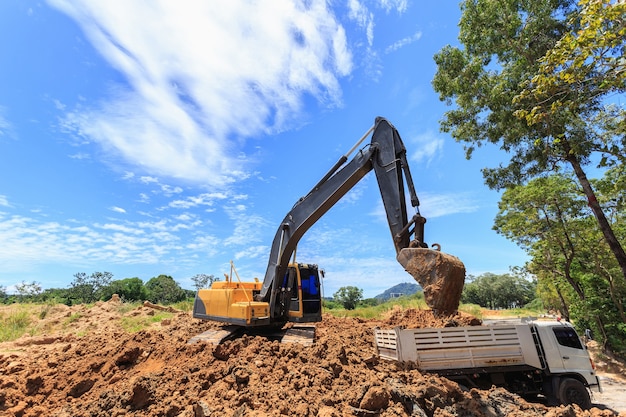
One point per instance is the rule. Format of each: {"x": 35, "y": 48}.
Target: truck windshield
{"x": 566, "y": 336}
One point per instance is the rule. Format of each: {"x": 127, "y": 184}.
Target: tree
{"x": 164, "y": 290}
{"x": 3, "y": 294}
{"x": 509, "y": 46}
{"x": 576, "y": 269}
{"x": 203, "y": 281}
{"x": 499, "y": 291}
{"x": 28, "y": 290}
{"x": 348, "y": 296}
{"x": 88, "y": 288}
{"x": 129, "y": 289}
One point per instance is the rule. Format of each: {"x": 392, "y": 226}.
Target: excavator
{"x": 291, "y": 291}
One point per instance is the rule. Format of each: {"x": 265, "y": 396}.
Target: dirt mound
{"x": 154, "y": 372}
{"x": 417, "y": 319}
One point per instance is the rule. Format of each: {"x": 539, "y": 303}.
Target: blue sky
{"x": 158, "y": 137}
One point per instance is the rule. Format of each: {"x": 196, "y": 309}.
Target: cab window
{"x": 566, "y": 336}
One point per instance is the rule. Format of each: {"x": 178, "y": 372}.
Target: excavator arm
{"x": 386, "y": 156}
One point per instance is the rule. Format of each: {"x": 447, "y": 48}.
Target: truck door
{"x": 565, "y": 351}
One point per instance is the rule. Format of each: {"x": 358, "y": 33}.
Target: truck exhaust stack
{"x": 441, "y": 276}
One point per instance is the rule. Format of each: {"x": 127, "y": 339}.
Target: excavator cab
{"x": 301, "y": 284}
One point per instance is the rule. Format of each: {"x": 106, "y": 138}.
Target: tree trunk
{"x": 605, "y": 227}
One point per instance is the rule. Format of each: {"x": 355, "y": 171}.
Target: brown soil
{"x": 441, "y": 276}
{"x": 110, "y": 372}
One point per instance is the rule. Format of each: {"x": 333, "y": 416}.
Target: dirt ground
{"x": 90, "y": 366}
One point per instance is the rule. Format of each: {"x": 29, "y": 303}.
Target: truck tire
{"x": 572, "y": 391}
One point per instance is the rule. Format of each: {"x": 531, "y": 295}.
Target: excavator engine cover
{"x": 441, "y": 276}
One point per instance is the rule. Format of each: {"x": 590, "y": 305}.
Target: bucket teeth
{"x": 441, "y": 276}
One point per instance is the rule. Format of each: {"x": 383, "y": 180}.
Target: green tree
{"x": 576, "y": 269}
{"x": 348, "y": 296}
{"x": 164, "y": 290}
{"x": 499, "y": 291}
{"x": 88, "y": 288}
{"x": 129, "y": 289}
{"x": 28, "y": 290}
{"x": 3, "y": 294}
{"x": 505, "y": 43}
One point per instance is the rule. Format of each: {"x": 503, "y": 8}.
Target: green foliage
{"x": 499, "y": 291}
{"x": 3, "y": 295}
{"x": 501, "y": 84}
{"x": 129, "y": 289}
{"x": 348, "y": 296}
{"x": 369, "y": 302}
{"x": 584, "y": 66}
{"x": 28, "y": 291}
{"x": 503, "y": 41}
{"x": 88, "y": 288}
{"x": 576, "y": 270}
{"x": 164, "y": 290}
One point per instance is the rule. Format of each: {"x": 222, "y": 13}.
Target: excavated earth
{"x": 95, "y": 368}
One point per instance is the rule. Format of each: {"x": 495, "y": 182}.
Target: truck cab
{"x": 567, "y": 360}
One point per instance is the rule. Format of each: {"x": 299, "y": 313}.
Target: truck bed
{"x": 459, "y": 347}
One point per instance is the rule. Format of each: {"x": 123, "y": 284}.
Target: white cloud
{"x": 398, "y": 5}
{"x": 79, "y": 156}
{"x": 434, "y": 205}
{"x": 404, "y": 42}
{"x": 438, "y": 205}
{"x": 3, "y": 201}
{"x": 6, "y": 129}
{"x": 204, "y": 75}
{"x": 428, "y": 146}
{"x": 117, "y": 209}
{"x": 30, "y": 241}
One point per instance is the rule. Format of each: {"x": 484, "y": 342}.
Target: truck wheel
{"x": 572, "y": 391}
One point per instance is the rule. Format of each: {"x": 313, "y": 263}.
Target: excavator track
{"x": 216, "y": 336}
{"x": 303, "y": 334}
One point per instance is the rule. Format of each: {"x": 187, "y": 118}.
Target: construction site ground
{"x": 86, "y": 361}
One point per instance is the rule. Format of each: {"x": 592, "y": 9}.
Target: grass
{"x": 370, "y": 312}
{"x": 138, "y": 323}
{"x": 14, "y": 324}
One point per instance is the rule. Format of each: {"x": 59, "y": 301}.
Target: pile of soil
{"x": 155, "y": 372}
{"x": 440, "y": 275}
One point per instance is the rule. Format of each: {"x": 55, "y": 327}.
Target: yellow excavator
{"x": 291, "y": 291}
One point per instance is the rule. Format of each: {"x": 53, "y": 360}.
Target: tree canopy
{"x": 532, "y": 78}
{"x": 348, "y": 296}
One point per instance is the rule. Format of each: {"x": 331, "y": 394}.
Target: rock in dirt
{"x": 441, "y": 276}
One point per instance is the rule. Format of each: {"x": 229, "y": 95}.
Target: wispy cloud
{"x": 427, "y": 145}
{"x": 31, "y": 241}
{"x": 4, "y": 201}
{"x": 203, "y": 75}
{"x": 438, "y": 205}
{"x": 404, "y": 42}
{"x": 117, "y": 209}
{"x": 6, "y": 129}
{"x": 435, "y": 205}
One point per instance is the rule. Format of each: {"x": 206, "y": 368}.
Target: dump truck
{"x": 291, "y": 290}
{"x": 537, "y": 358}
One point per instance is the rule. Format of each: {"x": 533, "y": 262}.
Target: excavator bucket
{"x": 441, "y": 276}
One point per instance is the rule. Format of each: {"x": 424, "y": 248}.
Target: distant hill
{"x": 405, "y": 288}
